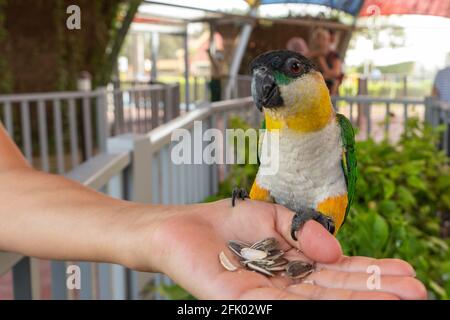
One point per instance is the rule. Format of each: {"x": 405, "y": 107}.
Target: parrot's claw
{"x": 300, "y": 218}
{"x": 238, "y": 193}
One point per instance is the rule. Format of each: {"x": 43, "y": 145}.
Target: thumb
{"x": 314, "y": 240}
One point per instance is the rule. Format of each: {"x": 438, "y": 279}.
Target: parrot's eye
{"x": 296, "y": 67}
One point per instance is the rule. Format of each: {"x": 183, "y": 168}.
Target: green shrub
{"x": 400, "y": 189}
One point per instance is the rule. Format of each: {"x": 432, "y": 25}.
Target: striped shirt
{"x": 442, "y": 84}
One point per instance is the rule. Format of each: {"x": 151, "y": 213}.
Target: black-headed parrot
{"x": 317, "y": 171}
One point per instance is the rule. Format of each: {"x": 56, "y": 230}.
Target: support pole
{"x": 186, "y": 70}
{"x": 154, "y": 47}
{"x": 238, "y": 55}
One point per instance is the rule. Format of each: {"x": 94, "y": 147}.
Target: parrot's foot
{"x": 238, "y": 193}
{"x": 300, "y": 218}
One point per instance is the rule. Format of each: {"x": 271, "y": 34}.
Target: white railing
{"x": 59, "y": 130}
{"x": 379, "y": 117}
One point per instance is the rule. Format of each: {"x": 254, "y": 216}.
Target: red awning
{"x": 424, "y": 7}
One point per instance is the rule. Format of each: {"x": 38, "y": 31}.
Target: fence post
{"x": 59, "y": 277}
{"x": 137, "y": 188}
{"x": 405, "y": 86}
{"x": 102, "y": 119}
{"x": 176, "y": 102}
{"x": 362, "y": 107}
{"x": 168, "y": 102}
{"x": 22, "y": 280}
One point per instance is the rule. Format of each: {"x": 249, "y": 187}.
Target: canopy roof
{"x": 350, "y": 6}
{"x": 382, "y": 7}
{"x": 429, "y": 7}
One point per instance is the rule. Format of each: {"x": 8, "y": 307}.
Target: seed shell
{"x": 299, "y": 269}
{"x": 226, "y": 263}
{"x": 257, "y": 268}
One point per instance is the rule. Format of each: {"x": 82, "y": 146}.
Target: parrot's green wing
{"x": 348, "y": 158}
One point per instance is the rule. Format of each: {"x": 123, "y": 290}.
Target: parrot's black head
{"x": 274, "y": 69}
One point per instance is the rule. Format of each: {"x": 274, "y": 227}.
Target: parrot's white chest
{"x": 309, "y": 168}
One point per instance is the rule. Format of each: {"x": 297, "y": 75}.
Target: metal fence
{"x": 142, "y": 108}
{"x": 59, "y": 130}
{"x": 137, "y": 167}
{"x": 379, "y": 118}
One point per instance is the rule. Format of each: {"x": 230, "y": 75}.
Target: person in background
{"x": 298, "y": 44}
{"x": 328, "y": 60}
{"x": 441, "y": 90}
{"x": 441, "y": 87}
{"x": 215, "y": 86}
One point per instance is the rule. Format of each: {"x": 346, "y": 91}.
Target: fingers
{"x": 314, "y": 240}
{"x": 403, "y": 287}
{"x": 393, "y": 267}
{"x": 271, "y": 294}
{"x": 315, "y": 292}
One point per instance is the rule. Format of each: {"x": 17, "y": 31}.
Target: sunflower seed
{"x": 299, "y": 269}
{"x": 275, "y": 254}
{"x": 236, "y": 247}
{"x": 279, "y": 262}
{"x": 226, "y": 263}
{"x": 275, "y": 268}
{"x": 265, "y": 257}
{"x": 255, "y": 267}
{"x": 253, "y": 254}
{"x": 267, "y": 244}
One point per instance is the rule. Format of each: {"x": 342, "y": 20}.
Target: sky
{"x": 426, "y": 42}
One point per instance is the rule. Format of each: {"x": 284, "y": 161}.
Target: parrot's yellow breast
{"x": 307, "y": 106}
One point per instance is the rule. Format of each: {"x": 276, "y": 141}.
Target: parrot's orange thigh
{"x": 258, "y": 193}
{"x": 334, "y": 207}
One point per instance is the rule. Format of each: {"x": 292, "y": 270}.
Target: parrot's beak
{"x": 265, "y": 90}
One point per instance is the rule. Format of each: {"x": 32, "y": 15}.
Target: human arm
{"x": 435, "y": 92}
{"x": 438, "y": 80}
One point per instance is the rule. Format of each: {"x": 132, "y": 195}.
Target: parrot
{"x": 317, "y": 168}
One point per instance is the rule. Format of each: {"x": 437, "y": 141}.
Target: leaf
{"x": 373, "y": 169}
{"x": 387, "y": 207}
{"x": 380, "y": 231}
{"x": 441, "y": 244}
{"x": 437, "y": 289}
{"x": 406, "y": 197}
{"x": 174, "y": 292}
{"x": 416, "y": 182}
{"x": 389, "y": 188}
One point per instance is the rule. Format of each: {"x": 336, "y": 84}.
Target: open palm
{"x": 192, "y": 241}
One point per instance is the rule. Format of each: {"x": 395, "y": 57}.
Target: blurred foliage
{"x": 38, "y": 53}
{"x": 241, "y": 175}
{"x": 5, "y": 71}
{"x": 389, "y": 88}
{"x": 400, "y": 189}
